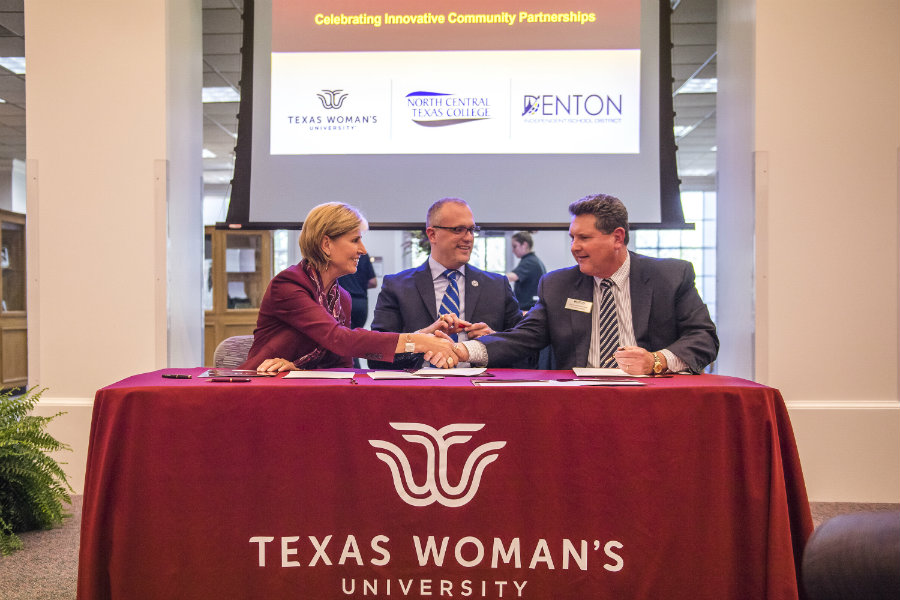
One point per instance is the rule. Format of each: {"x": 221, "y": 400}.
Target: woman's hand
{"x": 275, "y": 365}
{"x": 438, "y": 348}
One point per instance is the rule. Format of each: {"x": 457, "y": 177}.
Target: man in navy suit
{"x": 411, "y": 300}
{"x": 662, "y": 324}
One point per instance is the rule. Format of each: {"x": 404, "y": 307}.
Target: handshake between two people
{"x": 433, "y": 341}
{"x": 445, "y": 352}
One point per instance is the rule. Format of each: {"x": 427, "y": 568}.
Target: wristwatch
{"x": 657, "y": 364}
{"x": 409, "y": 346}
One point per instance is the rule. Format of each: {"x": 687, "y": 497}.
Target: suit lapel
{"x": 641, "y": 296}
{"x": 582, "y": 289}
{"x": 425, "y": 287}
{"x": 472, "y": 283}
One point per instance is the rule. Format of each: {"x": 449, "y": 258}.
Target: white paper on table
{"x": 320, "y": 375}
{"x": 555, "y": 383}
{"x": 598, "y": 372}
{"x": 399, "y": 375}
{"x": 457, "y": 372}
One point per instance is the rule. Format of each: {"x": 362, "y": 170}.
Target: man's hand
{"x": 438, "y": 349}
{"x": 448, "y": 323}
{"x": 636, "y": 361}
{"x": 462, "y": 353}
{"x": 476, "y": 330}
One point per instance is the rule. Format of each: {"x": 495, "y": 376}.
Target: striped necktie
{"x": 450, "y": 302}
{"x": 605, "y": 332}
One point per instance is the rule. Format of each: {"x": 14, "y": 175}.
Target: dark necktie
{"x": 607, "y": 334}
{"x": 450, "y": 302}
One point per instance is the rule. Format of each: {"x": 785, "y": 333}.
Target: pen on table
{"x": 176, "y": 376}
{"x": 230, "y": 379}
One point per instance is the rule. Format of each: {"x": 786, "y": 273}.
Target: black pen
{"x": 176, "y": 376}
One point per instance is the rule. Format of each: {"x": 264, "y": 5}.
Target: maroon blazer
{"x": 292, "y": 323}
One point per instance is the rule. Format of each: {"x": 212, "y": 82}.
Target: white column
{"x": 826, "y": 132}
{"x": 114, "y": 185}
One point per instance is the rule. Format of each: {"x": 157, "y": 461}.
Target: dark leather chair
{"x": 854, "y": 557}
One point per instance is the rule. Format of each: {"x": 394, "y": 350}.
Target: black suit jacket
{"x": 407, "y": 303}
{"x": 666, "y": 311}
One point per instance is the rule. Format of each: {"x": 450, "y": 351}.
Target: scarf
{"x": 330, "y": 300}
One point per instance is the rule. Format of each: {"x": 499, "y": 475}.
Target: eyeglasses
{"x": 460, "y": 229}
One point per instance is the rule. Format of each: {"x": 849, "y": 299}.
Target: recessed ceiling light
{"x": 700, "y": 86}
{"x": 220, "y": 94}
{"x": 16, "y": 64}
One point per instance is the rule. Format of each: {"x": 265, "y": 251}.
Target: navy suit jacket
{"x": 407, "y": 303}
{"x": 666, "y": 311}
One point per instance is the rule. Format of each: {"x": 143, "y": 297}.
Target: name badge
{"x": 579, "y": 305}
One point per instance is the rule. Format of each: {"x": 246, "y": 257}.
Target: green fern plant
{"x": 33, "y": 486}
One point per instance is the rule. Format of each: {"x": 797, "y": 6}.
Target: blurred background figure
{"x": 358, "y": 285}
{"x": 528, "y": 272}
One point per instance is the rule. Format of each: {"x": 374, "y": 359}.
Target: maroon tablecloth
{"x": 689, "y": 487}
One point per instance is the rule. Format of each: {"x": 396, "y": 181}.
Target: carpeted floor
{"x": 47, "y": 568}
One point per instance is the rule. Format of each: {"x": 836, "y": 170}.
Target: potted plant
{"x": 33, "y": 486}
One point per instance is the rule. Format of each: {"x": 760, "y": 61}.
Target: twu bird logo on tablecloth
{"x": 436, "y": 487}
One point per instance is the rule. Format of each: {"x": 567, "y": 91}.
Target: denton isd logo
{"x": 436, "y": 487}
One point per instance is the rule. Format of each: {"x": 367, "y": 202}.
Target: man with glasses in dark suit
{"x": 445, "y": 292}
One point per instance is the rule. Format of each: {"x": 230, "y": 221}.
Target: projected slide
{"x": 463, "y": 77}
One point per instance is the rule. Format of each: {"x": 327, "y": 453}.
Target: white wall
{"x": 824, "y": 112}
{"x": 114, "y": 183}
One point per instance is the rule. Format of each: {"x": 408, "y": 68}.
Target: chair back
{"x": 232, "y": 352}
{"x": 854, "y": 556}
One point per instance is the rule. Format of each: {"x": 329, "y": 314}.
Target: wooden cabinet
{"x": 238, "y": 267}
{"x": 13, "y": 324}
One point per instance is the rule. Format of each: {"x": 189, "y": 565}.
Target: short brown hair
{"x": 608, "y": 211}
{"x": 332, "y": 219}
{"x": 524, "y": 237}
{"x": 435, "y": 208}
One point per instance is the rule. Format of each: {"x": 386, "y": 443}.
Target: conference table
{"x": 687, "y": 486}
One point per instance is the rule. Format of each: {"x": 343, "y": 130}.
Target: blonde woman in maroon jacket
{"x": 304, "y": 318}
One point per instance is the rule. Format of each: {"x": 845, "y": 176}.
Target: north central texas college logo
{"x": 438, "y": 109}
{"x": 436, "y": 487}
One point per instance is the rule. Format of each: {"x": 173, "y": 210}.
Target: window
{"x": 488, "y": 251}
{"x": 697, "y": 246}
{"x": 280, "y": 258}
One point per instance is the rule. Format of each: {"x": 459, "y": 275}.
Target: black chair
{"x": 854, "y": 557}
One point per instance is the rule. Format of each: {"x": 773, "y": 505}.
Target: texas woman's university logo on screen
{"x": 436, "y": 486}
